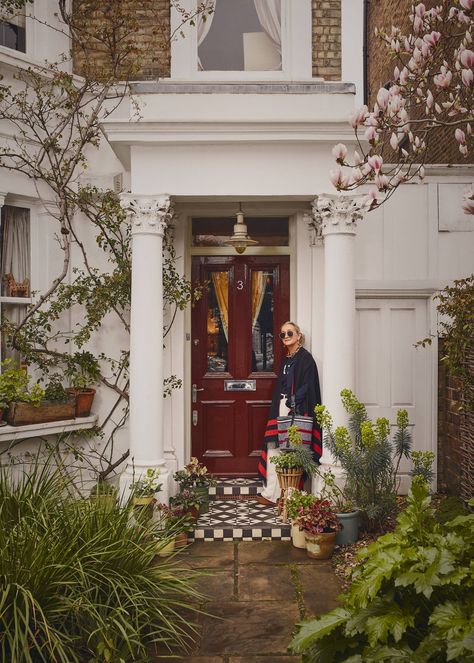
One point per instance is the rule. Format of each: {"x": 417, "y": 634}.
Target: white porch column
{"x": 335, "y": 222}
{"x": 148, "y": 216}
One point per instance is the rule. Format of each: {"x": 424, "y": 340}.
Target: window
{"x": 13, "y": 32}
{"x": 15, "y": 268}
{"x": 241, "y": 36}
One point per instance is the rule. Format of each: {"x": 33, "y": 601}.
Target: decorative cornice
{"x": 337, "y": 214}
{"x": 2, "y": 198}
{"x": 149, "y": 215}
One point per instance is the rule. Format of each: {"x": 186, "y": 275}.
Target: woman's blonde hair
{"x": 297, "y": 329}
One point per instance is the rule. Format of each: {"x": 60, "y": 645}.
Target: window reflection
{"x": 263, "y": 354}
{"x": 217, "y": 322}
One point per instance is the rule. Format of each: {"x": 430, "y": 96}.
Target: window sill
{"x": 14, "y": 433}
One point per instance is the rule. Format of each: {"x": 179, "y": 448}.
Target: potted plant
{"x": 196, "y": 476}
{"x": 320, "y": 524}
{"x": 83, "y": 371}
{"x": 175, "y": 521}
{"x": 293, "y": 461}
{"x": 347, "y": 513}
{"x": 104, "y": 492}
{"x": 368, "y": 457}
{"x": 144, "y": 490}
{"x": 22, "y": 399}
{"x": 189, "y": 501}
{"x": 296, "y": 505}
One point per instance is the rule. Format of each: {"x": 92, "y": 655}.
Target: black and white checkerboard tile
{"x": 237, "y": 486}
{"x": 232, "y": 520}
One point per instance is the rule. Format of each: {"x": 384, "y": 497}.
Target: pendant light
{"x": 240, "y": 239}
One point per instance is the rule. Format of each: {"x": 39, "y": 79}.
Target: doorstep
{"x": 239, "y": 519}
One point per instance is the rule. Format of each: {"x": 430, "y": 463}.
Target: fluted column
{"x": 335, "y": 220}
{"x": 148, "y": 216}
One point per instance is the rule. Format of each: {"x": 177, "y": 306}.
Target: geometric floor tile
{"x": 235, "y": 486}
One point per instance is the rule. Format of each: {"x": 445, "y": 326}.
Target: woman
{"x": 298, "y": 383}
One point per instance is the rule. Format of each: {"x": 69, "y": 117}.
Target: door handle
{"x": 194, "y": 391}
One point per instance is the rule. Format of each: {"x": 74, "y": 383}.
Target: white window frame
{"x": 296, "y": 38}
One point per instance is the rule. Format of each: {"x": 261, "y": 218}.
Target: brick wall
{"x": 327, "y": 39}
{"x": 385, "y": 13}
{"x": 151, "y": 37}
{"x": 455, "y": 435}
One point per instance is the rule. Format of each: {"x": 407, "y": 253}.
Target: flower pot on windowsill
{"x": 22, "y": 414}
{"x": 84, "y": 399}
{"x": 320, "y": 546}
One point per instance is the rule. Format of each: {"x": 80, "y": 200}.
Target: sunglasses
{"x": 289, "y": 333}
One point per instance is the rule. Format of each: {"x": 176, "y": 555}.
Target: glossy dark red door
{"x": 235, "y": 355}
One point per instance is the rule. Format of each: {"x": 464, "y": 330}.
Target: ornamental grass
{"x": 80, "y": 581}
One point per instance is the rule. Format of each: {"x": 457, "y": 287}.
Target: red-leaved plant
{"x": 319, "y": 517}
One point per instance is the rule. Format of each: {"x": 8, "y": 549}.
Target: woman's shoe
{"x": 263, "y": 500}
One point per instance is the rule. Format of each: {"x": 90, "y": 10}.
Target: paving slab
{"x": 271, "y": 552}
{"x": 265, "y": 659}
{"x": 196, "y": 659}
{"x": 215, "y": 555}
{"x": 248, "y": 628}
{"x": 319, "y": 587}
{"x": 218, "y": 585}
{"x": 265, "y": 583}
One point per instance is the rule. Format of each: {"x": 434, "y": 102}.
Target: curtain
{"x": 15, "y": 261}
{"x": 16, "y": 244}
{"x": 258, "y": 292}
{"x": 220, "y": 281}
{"x": 203, "y": 26}
{"x": 269, "y": 15}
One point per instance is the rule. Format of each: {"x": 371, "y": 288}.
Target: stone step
{"x": 235, "y": 487}
{"x": 240, "y": 520}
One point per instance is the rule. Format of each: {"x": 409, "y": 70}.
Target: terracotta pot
{"x": 181, "y": 540}
{"x": 84, "y": 399}
{"x": 165, "y": 549}
{"x": 320, "y": 546}
{"x": 298, "y": 538}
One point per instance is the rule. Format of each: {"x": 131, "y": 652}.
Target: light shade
{"x": 240, "y": 239}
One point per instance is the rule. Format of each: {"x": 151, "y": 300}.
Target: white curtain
{"x": 259, "y": 282}
{"x": 269, "y": 15}
{"x": 203, "y": 26}
{"x": 15, "y": 261}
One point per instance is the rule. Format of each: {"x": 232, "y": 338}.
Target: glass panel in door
{"x": 263, "y": 355}
{"x": 217, "y": 322}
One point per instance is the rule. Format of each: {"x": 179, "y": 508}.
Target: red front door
{"x": 235, "y": 355}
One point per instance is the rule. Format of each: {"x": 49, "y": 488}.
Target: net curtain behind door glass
{"x": 269, "y": 15}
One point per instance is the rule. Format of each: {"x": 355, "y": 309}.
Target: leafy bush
{"x": 79, "y": 582}
{"x": 367, "y": 456}
{"x": 14, "y": 386}
{"x": 412, "y": 600}
{"x": 298, "y": 502}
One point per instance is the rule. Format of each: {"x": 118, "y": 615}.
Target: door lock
{"x": 195, "y": 417}
{"x": 194, "y": 391}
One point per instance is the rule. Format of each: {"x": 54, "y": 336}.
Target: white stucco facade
{"x": 361, "y": 289}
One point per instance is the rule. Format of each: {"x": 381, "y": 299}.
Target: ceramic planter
{"x": 165, "y": 549}
{"x": 203, "y": 493}
{"x": 298, "y": 538}
{"x": 350, "y": 528}
{"x": 320, "y": 546}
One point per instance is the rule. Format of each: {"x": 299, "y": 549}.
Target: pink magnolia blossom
{"x": 383, "y": 95}
{"x": 371, "y": 134}
{"x": 467, "y": 58}
{"x": 429, "y": 99}
{"x": 358, "y": 160}
{"x": 356, "y": 175}
{"x": 381, "y": 182}
{"x": 443, "y": 79}
{"x": 460, "y": 136}
{"x": 359, "y": 116}
{"x": 394, "y": 141}
{"x": 420, "y": 10}
{"x": 468, "y": 204}
{"x": 339, "y": 152}
{"x": 417, "y": 24}
{"x": 375, "y": 162}
{"x": 466, "y": 4}
{"x": 467, "y": 76}
{"x": 338, "y": 179}
{"x": 432, "y": 39}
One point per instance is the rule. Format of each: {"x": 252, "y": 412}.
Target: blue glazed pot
{"x": 350, "y": 528}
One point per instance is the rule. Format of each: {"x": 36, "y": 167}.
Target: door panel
{"x": 234, "y": 327}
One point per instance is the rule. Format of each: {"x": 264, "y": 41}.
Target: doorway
{"x": 235, "y": 356}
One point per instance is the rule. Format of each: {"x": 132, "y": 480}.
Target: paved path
{"x": 259, "y": 590}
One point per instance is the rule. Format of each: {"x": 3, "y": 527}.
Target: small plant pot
{"x": 350, "y": 528}
{"x": 84, "y": 399}
{"x": 165, "y": 549}
{"x": 320, "y": 546}
{"x": 298, "y": 538}
{"x": 181, "y": 540}
{"x": 203, "y": 493}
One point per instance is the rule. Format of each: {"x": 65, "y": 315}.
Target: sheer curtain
{"x": 259, "y": 281}
{"x": 204, "y": 25}
{"x": 269, "y": 15}
{"x": 15, "y": 261}
{"x": 220, "y": 281}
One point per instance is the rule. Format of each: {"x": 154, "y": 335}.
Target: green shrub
{"x": 412, "y": 600}
{"x": 80, "y": 581}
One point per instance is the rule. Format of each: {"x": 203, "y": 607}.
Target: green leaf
{"x": 318, "y": 628}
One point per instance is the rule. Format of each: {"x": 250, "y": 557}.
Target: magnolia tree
{"x": 430, "y": 94}
{"x": 429, "y": 98}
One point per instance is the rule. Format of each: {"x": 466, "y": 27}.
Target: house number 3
{"x": 240, "y": 285}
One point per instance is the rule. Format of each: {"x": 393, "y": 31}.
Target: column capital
{"x": 148, "y": 215}
{"x": 337, "y": 214}
{"x": 3, "y": 195}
